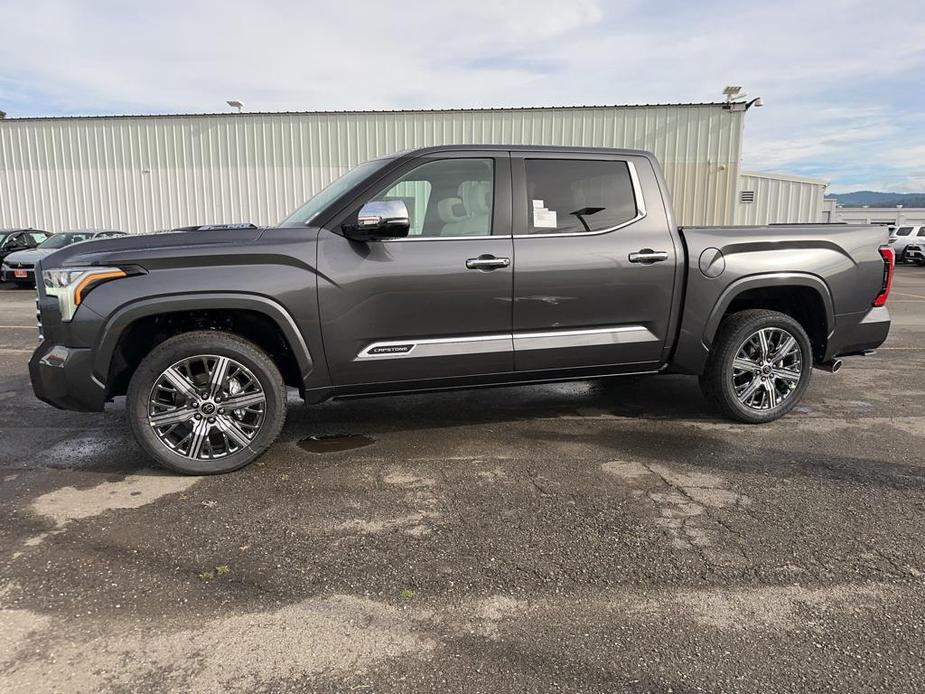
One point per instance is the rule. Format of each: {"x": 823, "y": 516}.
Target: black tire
{"x": 206, "y": 342}
{"x": 716, "y": 381}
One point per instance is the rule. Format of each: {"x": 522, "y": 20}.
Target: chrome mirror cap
{"x": 383, "y": 219}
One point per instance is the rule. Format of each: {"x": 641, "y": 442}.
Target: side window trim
{"x": 641, "y": 211}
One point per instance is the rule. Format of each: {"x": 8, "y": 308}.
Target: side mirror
{"x": 380, "y": 219}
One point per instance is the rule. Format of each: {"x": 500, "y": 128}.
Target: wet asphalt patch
{"x": 335, "y": 443}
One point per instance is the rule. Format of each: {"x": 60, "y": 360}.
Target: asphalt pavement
{"x": 595, "y": 536}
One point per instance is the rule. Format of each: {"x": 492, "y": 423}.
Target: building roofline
{"x": 246, "y": 114}
{"x": 785, "y": 177}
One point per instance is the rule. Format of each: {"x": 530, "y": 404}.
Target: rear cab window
{"x": 576, "y": 196}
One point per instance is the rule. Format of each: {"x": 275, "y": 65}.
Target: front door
{"x": 596, "y": 263}
{"x": 437, "y": 304}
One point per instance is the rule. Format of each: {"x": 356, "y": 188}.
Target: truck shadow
{"x": 643, "y": 397}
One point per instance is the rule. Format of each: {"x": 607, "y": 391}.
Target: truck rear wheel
{"x": 759, "y": 367}
{"x": 206, "y": 402}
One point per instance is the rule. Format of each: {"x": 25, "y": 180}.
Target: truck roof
{"x": 519, "y": 148}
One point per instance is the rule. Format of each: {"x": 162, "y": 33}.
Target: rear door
{"x": 434, "y": 305}
{"x": 595, "y": 272}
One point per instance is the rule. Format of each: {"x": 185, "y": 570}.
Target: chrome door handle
{"x": 487, "y": 262}
{"x": 647, "y": 256}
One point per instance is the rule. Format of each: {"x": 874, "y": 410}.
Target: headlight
{"x": 70, "y": 285}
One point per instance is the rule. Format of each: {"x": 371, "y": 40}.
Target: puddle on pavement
{"x": 335, "y": 443}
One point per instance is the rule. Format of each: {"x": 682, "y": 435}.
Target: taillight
{"x": 889, "y": 262}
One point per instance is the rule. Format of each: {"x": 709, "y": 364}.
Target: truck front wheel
{"x": 759, "y": 367}
{"x": 206, "y": 402}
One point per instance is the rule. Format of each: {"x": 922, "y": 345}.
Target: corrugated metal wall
{"x": 897, "y": 216}
{"x": 780, "y": 199}
{"x": 146, "y": 173}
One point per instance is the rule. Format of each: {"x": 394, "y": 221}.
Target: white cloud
{"x": 839, "y": 90}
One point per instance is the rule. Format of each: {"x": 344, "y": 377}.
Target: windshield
{"x": 334, "y": 190}
{"x": 62, "y": 240}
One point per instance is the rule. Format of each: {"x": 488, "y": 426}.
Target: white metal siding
{"x": 897, "y": 216}
{"x": 780, "y": 200}
{"x": 146, "y": 173}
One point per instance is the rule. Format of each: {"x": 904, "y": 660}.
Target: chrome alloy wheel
{"x": 767, "y": 368}
{"x": 206, "y": 407}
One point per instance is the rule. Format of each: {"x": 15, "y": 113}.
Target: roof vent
{"x": 747, "y": 196}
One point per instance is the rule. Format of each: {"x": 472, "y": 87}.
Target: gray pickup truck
{"x": 449, "y": 267}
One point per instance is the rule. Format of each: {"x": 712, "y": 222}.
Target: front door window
{"x": 447, "y": 198}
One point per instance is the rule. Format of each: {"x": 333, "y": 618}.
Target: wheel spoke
{"x": 175, "y": 416}
{"x": 772, "y": 393}
{"x": 749, "y": 390}
{"x": 181, "y": 383}
{"x": 745, "y": 364}
{"x": 784, "y": 350}
{"x": 763, "y": 341}
{"x": 228, "y": 426}
{"x": 239, "y": 402}
{"x": 786, "y": 375}
{"x": 217, "y": 377}
{"x": 200, "y": 433}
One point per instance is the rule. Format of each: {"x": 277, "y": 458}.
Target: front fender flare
{"x": 116, "y": 325}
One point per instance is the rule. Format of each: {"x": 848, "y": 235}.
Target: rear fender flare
{"x": 776, "y": 279}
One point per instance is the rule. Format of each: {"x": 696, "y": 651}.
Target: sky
{"x": 843, "y": 81}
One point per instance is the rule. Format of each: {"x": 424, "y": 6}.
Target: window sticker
{"x": 538, "y": 203}
{"x": 543, "y": 218}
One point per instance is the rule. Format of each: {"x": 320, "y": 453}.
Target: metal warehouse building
{"x": 778, "y": 198}
{"x": 142, "y": 173}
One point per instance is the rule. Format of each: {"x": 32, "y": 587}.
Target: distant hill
{"x": 873, "y": 199}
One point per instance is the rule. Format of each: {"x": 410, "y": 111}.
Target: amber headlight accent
{"x": 71, "y": 285}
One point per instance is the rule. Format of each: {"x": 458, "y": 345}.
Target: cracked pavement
{"x": 597, "y": 536}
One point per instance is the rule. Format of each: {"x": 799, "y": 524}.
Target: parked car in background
{"x": 901, "y": 237}
{"x": 449, "y": 267}
{"x": 915, "y": 253}
{"x": 19, "y": 267}
{"x": 15, "y": 240}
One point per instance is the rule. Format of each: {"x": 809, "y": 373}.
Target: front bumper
{"x": 63, "y": 377}
{"x": 14, "y": 274}
{"x": 856, "y": 333}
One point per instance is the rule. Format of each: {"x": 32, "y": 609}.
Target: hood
{"x": 151, "y": 249}
{"x": 28, "y": 256}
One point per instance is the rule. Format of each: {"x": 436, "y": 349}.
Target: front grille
{"x": 21, "y": 266}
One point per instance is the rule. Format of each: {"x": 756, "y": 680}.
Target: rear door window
{"x": 576, "y": 196}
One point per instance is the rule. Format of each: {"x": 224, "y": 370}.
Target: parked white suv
{"x": 902, "y": 237}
